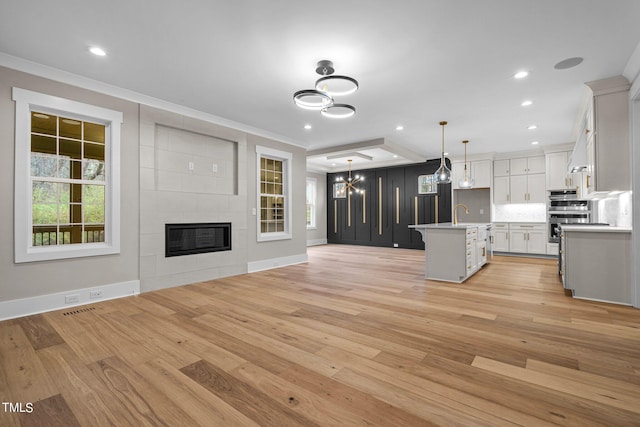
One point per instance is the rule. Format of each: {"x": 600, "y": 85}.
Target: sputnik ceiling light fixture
{"x": 467, "y": 181}
{"x": 349, "y": 183}
{"x": 443, "y": 174}
{"x": 328, "y": 86}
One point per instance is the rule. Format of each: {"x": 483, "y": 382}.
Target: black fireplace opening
{"x": 197, "y": 238}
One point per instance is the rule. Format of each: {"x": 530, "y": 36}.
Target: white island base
{"x": 453, "y": 252}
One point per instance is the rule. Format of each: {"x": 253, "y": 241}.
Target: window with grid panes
{"x": 67, "y": 180}
{"x": 274, "y": 204}
{"x": 66, "y": 184}
{"x": 272, "y": 213}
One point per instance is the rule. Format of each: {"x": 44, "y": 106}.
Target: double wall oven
{"x": 564, "y": 207}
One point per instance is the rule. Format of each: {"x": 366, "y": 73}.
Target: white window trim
{"x": 25, "y": 102}
{"x": 286, "y": 158}
{"x": 314, "y": 214}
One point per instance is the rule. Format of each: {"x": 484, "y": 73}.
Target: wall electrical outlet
{"x": 95, "y": 294}
{"x": 192, "y": 166}
{"x": 72, "y": 299}
{"x": 214, "y": 168}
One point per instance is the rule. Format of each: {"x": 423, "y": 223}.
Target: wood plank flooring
{"x": 355, "y": 336}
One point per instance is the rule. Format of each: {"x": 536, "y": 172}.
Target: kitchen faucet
{"x": 455, "y": 212}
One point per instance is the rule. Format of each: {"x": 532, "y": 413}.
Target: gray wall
{"x": 319, "y": 234}
{"x": 297, "y": 245}
{"x": 476, "y": 200}
{"x": 172, "y": 193}
{"x": 45, "y": 277}
{"x": 140, "y": 258}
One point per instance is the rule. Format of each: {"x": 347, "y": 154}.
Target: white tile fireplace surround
{"x": 190, "y": 172}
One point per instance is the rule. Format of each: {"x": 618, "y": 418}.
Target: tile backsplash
{"x": 520, "y": 212}
{"x": 614, "y": 210}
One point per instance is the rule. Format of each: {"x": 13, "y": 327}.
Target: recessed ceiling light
{"x": 526, "y": 103}
{"x": 399, "y": 127}
{"x": 97, "y": 51}
{"x": 532, "y": 127}
{"x": 307, "y": 127}
{"x": 534, "y": 143}
{"x": 521, "y": 74}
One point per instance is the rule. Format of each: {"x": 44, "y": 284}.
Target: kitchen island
{"x": 453, "y": 252}
{"x": 595, "y": 262}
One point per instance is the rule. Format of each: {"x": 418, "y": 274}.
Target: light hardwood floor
{"x": 355, "y": 336}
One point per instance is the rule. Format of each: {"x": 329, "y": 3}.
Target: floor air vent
{"x": 78, "y": 311}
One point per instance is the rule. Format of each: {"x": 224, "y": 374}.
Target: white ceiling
{"x": 418, "y": 62}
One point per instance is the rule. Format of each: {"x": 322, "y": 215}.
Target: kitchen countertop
{"x": 596, "y": 228}
{"x": 519, "y": 222}
{"x": 449, "y": 225}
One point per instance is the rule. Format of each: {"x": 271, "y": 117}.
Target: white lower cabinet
{"x": 500, "y": 237}
{"x": 525, "y": 238}
{"x": 528, "y": 238}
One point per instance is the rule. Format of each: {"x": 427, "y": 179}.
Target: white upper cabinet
{"x": 519, "y": 180}
{"x": 457, "y": 173}
{"x": 557, "y": 170}
{"x": 609, "y": 149}
{"x": 479, "y": 170}
{"x": 481, "y": 173}
{"x": 501, "y": 190}
{"x": 527, "y": 165}
{"x": 501, "y": 167}
{"x": 528, "y": 188}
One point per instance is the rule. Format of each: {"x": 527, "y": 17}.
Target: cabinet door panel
{"x": 536, "y": 164}
{"x": 500, "y": 241}
{"x": 519, "y": 166}
{"x": 501, "y": 190}
{"x": 557, "y": 171}
{"x": 517, "y": 241}
{"x": 519, "y": 189}
{"x": 481, "y": 173}
{"x": 400, "y": 215}
{"x": 381, "y": 221}
{"x": 536, "y": 242}
{"x": 501, "y": 167}
{"x": 536, "y": 188}
{"x": 361, "y": 205}
{"x": 457, "y": 174}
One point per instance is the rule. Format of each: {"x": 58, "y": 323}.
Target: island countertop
{"x": 450, "y": 225}
{"x": 594, "y": 228}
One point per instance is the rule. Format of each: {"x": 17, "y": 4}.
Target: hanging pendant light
{"x": 467, "y": 181}
{"x": 443, "y": 174}
{"x": 349, "y": 183}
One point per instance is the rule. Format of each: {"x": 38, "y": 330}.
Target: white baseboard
{"x": 268, "y": 264}
{"x": 316, "y": 242}
{"x": 43, "y": 303}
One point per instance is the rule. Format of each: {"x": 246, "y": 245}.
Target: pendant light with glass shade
{"x": 466, "y": 181}
{"x": 443, "y": 174}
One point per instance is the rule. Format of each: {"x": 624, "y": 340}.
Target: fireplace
{"x": 197, "y": 238}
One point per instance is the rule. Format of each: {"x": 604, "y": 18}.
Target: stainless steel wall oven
{"x": 563, "y": 207}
